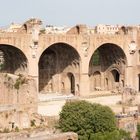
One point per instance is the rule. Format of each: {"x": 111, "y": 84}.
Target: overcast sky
{"x": 71, "y": 12}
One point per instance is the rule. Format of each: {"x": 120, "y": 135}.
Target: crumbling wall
{"x": 18, "y": 100}
{"x": 78, "y": 29}
{"x": 26, "y": 136}
{"x": 17, "y": 90}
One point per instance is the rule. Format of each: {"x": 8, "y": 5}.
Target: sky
{"x": 71, "y": 12}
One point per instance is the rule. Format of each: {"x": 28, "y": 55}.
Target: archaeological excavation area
{"x": 78, "y": 62}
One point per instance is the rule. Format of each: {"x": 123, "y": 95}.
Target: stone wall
{"x": 18, "y": 100}
{"x": 39, "y": 135}
{"x": 17, "y": 90}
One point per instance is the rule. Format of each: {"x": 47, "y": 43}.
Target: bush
{"x": 32, "y": 122}
{"x": 114, "y": 135}
{"x": 6, "y": 130}
{"x": 85, "y": 119}
{"x": 20, "y": 81}
{"x": 16, "y": 129}
{"x": 125, "y": 135}
{"x": 138, "y": 131}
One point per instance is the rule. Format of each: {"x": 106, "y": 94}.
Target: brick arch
{"x": 117, "y": 43}
{"x": 55, "y": 43}
{"x": 16, "y": 44}
{"x": 15, "y": 58}
{"x": 105, "y": 43}
{"x": 114, "y": 68}
{"x": 57, "y": 59}
{"x": 108, "y": 56}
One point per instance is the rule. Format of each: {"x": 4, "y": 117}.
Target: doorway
{"x": 116, "y": 75}
{"x": 72, "y": 83}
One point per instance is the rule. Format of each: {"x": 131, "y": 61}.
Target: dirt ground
{"x": 53, "y": 107}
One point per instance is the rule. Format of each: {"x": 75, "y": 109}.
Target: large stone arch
{"x": 105, "y": 59}
{"x": 119, "y": 42}
{"x": 13, "y": 60}
{"x": 55, "y": 63}
{"x": 51, "y": 40}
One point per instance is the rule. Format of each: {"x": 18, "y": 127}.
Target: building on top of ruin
{"x": 14, "y": 27}
{"x": 107, "y": 29}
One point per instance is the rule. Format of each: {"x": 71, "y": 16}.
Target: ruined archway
{"x": 109, "y": 60}
{"x": 12, "y": 60}
{"x": 55, "y": 63}
{"x": 70, "y": 83}
{"x": 114, "y": 78}
{"x": 116, "y": 75}
{"x": 13, "y": 72}
{"x": 95, "y": 81}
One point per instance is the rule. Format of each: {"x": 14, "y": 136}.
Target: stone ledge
{"x": 38, "y": 135}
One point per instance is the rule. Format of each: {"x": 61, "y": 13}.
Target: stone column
{"x": 84, "y": 78}
{"x": 129, "y": 76}
{"x": 33, "y": 65}
{"x": 84, "y": 84}
{"x": 102, "y": 81}
{"x": 33, "y": 27}
{"x": 34, "y": 74}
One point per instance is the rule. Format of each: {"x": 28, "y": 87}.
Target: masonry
{"x": 78, "y": 62}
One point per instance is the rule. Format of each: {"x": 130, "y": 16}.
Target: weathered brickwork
{"x": 78, "y": 62}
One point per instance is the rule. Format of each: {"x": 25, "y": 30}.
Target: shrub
{"x": 20, "y": 81}
{"x": 85, "y": 119}
{"x": 6, "y": 130}
{"x": 138, "y": 131}
{"x": 114, "y": 135}
{"x": 16, "y": 129}
{"x": 33, "y": 123}
{"x": 125, "y": 135}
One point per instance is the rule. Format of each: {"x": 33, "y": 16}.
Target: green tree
{"x": 85, "y": 119}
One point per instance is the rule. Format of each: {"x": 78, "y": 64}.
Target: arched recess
{"x": 70, "y": 83}
{"x": 116, "y": 75}
{"x": 95, "y": 81}
{"x": 114, "y": 78}
{"x": 106, "y": 58}
{"x": 12, "y": 60}
{"x": 55, "y": 63}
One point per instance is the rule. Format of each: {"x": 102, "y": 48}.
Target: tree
{"x": 85, "y": 119}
